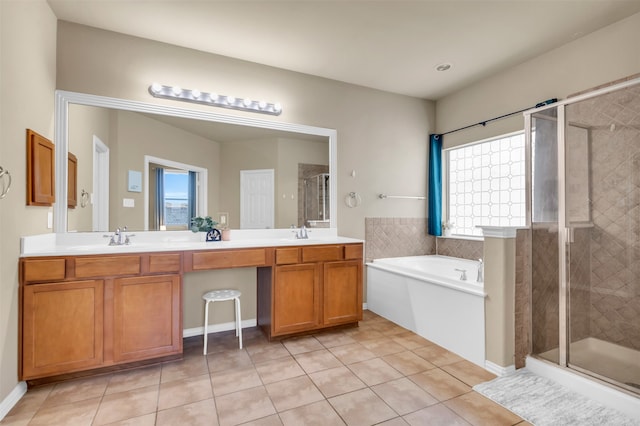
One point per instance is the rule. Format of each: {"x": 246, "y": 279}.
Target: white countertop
{"x": 85, "y": 243}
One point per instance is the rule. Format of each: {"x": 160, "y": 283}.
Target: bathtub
{"x": 426, "y": 295}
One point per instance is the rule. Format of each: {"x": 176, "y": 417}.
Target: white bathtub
{"x": 426, "y": 295}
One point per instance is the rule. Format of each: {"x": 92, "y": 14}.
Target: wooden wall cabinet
{"x": 40, "y": 170}
{"x": 72, "y": 181}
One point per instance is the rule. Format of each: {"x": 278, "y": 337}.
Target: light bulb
{"x": 277, "y": 107}
{"x": 231, "y": 100}
{"x": 214, "y": 97}
{"x": 262, "y": 104}
{"x": 176, "y": 90}
{"x": 247, "y": 102}
{"x": 195, "y": 93}
{"x": 156, "y": 87}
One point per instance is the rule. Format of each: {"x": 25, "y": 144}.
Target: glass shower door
{"x": 602, "y": 211}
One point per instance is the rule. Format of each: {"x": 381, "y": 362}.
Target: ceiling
{"x": 387, "y": 45}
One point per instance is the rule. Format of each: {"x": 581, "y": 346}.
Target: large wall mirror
{"x": 153, "y": 167}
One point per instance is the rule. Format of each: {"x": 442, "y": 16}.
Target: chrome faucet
{"x": 301, "y": 234}
{"x": 119, "y": 238}
{"x": 463, "y": 275}
{"x": 480, "y": 271}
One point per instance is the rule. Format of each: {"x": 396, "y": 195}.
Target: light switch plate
{"x": 128, "y": 202}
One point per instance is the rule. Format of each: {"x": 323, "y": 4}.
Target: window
{"x": 486, "y": 184}
{"x": 176, "y": 199}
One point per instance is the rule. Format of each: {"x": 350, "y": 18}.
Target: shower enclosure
{"x": 585, "y": 236}
{"x": 316, "y": 201}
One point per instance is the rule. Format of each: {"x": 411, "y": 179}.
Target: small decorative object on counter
{"x": 214, "y": 235}
{"x": 446, "y": 228}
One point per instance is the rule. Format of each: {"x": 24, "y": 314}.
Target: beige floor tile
{"x": 480, "y": 411}
{"x": 468, "y": 372}
{"x": 128, "y": 404}
{"x": 354, "y": 352}
{"x": 267, "y": 352}
{"x": 133, "y": 379}
{"x": 75, "y": 413}
{"x": 292, "y": 393}
{"x": 18, "y": 419}
{"x": 334, "y": 338}
{"x": 364, "y": 334}
{"x": 391, "y": 329}
{"x": 374, "y": 371}
{"x": 201, "y": 413}
{"x": 411, "y": 340}
{"x": 362, "y": 407}
{"x": 223, "y": 341}
{"x": 436, "y": 415}
{"x": 382, "y": 346}
{"x": 146, "y": 420}
{"x": 302, "y": 344}
{"x": 404, "y": 396}
{"x": 76, "y": 390}
{"x": 225, "y": 382}
{"x": 336, "y": 381}
{"x": 408, "y": 362}
{"x": 193, "y": 365}
{"x": 319, "y": 413}
{"x": 229, "y": 360}
{"x": 398, "y": 421}
{"x": 272, "y": 420}
{"x": 186, "y": 391}
{"x": 243, "y": 406}
{"x": 31, "y": 401}
{"x": 317, "y": 361}
{"x": 440, "y": 384}
{"x": 279, "y": 369}
{"x": 437, "y": 355}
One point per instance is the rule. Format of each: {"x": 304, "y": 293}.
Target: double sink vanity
{"x": 85, "y": 305}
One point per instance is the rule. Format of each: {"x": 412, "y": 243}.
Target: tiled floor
{"x": 378, "y": 373}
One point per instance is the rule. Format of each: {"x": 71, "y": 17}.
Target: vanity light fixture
{"x": 213, "y": 99}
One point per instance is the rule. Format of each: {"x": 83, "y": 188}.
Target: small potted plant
{"x": 202, "y": 224}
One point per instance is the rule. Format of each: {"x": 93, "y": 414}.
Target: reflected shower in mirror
{"x": 138, "y": 138}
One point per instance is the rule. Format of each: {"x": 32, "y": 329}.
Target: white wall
{"x": 597, "y": 58}
{"x": 27, "y": 83}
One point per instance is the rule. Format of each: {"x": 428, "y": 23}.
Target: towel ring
{"x": 84, "y": 198}
{"x": 352, "y": 200}
{"x": 5, "y": 188}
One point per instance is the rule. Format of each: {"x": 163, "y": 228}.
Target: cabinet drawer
{"x": 321, "y": 253}
{"x": 107, "y": 266}
{"x": 43, "y": 270}
{"x": 287, "y": 256}
{"x": 165, "y": 262}
{"x": 229, "y": 259}
{"x": 353, "y": 251}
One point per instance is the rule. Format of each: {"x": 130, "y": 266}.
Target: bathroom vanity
{"x": 85, "y": 307}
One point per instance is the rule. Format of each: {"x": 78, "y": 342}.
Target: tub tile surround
{"x": 229, "y": 387}
{"x": 459, "y": 247}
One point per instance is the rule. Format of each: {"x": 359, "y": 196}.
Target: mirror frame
{"x": 64, "y": 98}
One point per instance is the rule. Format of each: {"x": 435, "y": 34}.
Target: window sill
{"x": 462, "y": 237}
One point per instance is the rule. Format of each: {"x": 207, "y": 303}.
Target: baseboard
{"x": 499, "y": 370}
{"x": 12, "y": 399}
{"x": 365, "y": 307}
{"x": 215, "y": 328}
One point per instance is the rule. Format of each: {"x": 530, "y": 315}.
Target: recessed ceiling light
{"x": 443, "y": 67}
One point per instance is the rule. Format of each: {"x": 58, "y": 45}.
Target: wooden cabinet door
{"x": 147, "y": 317}
{"x": 296, "y": 298}
{"x": 342, "y": 292}
{"x": 40, "y": 170}
{"x": 62, "y": 328}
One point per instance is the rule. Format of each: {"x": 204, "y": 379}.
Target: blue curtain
{"x": 159, "y": 201}
{"x": 192, "y": 196}
{"x": 434, "y": 223}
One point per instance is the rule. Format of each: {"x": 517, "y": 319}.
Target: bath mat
{"x": 543, "y": 402}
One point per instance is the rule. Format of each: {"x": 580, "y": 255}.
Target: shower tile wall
{"x": 395, "y": 237}
{"x": 614, "y": 120}
{"x": 544, "y": 292}
{"x": 580, "y": 289}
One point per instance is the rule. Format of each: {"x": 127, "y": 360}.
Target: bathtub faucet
{"x": 480, "y": 271}
{"x": 463, "y": 275}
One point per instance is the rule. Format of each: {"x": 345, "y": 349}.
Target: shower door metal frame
{"x": 564, "y": 233}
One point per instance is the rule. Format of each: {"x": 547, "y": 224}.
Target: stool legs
{"x": 206, "y": 325}
{"x": 238, "y": 321}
